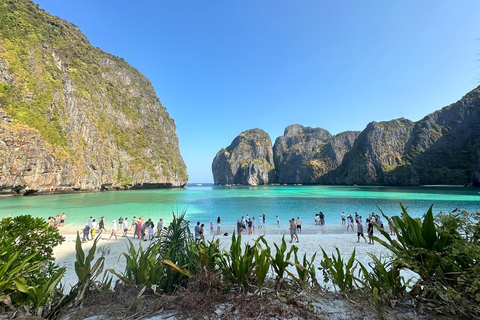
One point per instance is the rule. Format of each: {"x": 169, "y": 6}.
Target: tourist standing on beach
{"x": 219, "y": 225}
{"x": 250, "y": 224}
{"x": 293, "y": 230}
{"x": 211, "y": 227}
{"x": 370, "y": 232}
{"x": 197, "y": 233}
{"x": 391, "y": 225}
{"x": 145, "y": 227}
{"x": 202, "y": 233}
{"x": 138, "y": 231}
{"x": 125, "y": 227}
{"x": 349, "y": 222}
{"x": 63, "y": 217}
{"x": 360, "y": 229}
{"x": 278, "y": 220}
{"x": 93, "y": 230}
{"x": 299, "y": 225}
{"x": 134, "y": 225}
{"x": 114, "y": 230}
{"x": 120, "y": 223}
{"x": 150, "y": 230}
{"x": 263, "y": 218}
{"x": 101, "y": 225}
{"x": 86, "y": 232}
{"x": 380, "y": 222}
{"x": 322, "y": 218}
{"x": 159, "y": 227}
{"x": 89, "y": 226}
{"x": 343, "y": 218}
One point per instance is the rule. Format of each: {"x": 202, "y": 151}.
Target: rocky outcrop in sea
{"x": 248, "y": 160}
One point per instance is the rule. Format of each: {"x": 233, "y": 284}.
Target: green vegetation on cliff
{"x": 80, "y": 98}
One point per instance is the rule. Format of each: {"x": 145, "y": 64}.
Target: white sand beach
{"x": 311, "y": 239}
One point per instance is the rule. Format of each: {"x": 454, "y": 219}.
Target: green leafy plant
{"x": 444, "y": 255}
{"x": 14, "y": 269}
{"x": 143, "y": 267}
{"x": 29, "y": 234}
{"x": 238, "y": 264}
{"x": 419, "y": 247}
{"x": 305, "y": 269}
{"x": 208, "y": 254}
{"x": 339, "y": 273}
{"x": 28, "y": 275}
{"x": 85, "y": 271}
{"x": 383, "y": 277}
{"x": 176, "y": 254}
{"x": 39, "y": 294}
{"x": 262, "y": 261}
{"x": 281, "y": 261}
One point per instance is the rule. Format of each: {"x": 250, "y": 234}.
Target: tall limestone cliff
{"x": 305, "y": 155}
{"x": 248, "y": 160}
{"x": 376, "y": 153}
{"x": 73, "y": 117}
{"x": 443, "y": 148}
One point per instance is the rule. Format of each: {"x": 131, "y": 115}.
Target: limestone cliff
{"x": 73, "y": 117}
{"x": 376, "y": 153}
{"x": 248, "y": 160}
{"x": 305, "y": 155}
{"x": 443, "y": 148}
{"x": 444, "y": 145}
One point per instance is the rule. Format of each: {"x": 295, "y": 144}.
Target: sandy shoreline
{"x": 312, "y": 237}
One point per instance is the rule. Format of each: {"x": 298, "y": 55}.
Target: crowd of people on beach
{"x": 57, "y": 221}
{"x": 141, "y": 229}
{"x": 247, "y": 224}
{"x": 145, "y": 229}
{"x": 372, "y": 218}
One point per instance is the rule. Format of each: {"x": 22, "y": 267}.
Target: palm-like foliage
{"x": 39, "y": 295}
{"x": 262, "y": 261}
{"x": 305, "y": 269}
{"x": 419, "y": 247}
{"x": 208, "y": 255}
{"x": 143, "y": 267}
{"x": 281, "y": 259}
{"x": 383, "y": 277}
{"x": 86, "y": 272}
{"x": 338, "y": 272}
{"x": 237, "y": 264}
{"x": 176, "y": 253}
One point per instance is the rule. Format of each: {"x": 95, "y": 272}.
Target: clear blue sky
{"x": 223, "y": 67}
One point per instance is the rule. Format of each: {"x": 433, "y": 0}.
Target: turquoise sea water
{"x": 206, "y": 203}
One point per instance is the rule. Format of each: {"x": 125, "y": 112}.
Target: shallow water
{"x": 206, "y": 203}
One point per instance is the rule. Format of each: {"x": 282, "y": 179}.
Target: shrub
{"x": 238, "y": 264}
{"x": 27, "y": 234}
{"x": 339, "y": 273}
{"x": 28, "y": 275}
{"x": 444, "y": 255}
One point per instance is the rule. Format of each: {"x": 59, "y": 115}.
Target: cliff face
{"x": 442, "y": 148}
{"x": 306, "y": 155}
{"x": 376, "y": 154}
{"x": 248, "y": 160}
{"x": 74, "y": 117}
{"x": 446, "y": 142}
